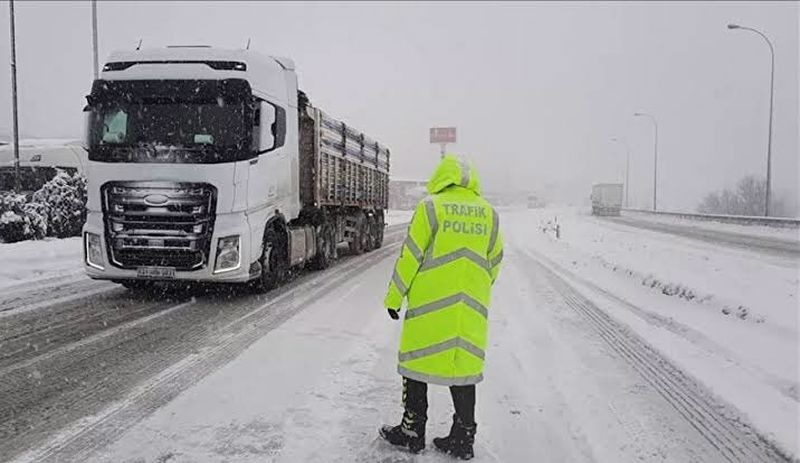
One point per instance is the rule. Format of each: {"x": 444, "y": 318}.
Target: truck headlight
{"x": 94, "y": 251}
{"x": 228, "y": 255}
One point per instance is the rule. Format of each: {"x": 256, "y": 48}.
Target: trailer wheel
{"x": 379, "y": 229}
{"x": 372, "y": 237}
{"x": 358, "y": 243}
{"x": 273, "y": 263}
{"x": 326, "y": 249}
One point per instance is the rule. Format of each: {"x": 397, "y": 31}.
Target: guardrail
{"x": 784, "y": 222}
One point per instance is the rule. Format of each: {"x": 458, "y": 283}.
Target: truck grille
{"x": 160, "y": 224}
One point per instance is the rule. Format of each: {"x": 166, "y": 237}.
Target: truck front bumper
{"x": 98, "y": 266}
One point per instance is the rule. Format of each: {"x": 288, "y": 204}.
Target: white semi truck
{"x": 210, "y": 165}
{"x": 607, "y": 198}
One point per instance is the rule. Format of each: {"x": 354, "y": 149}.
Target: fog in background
{"x": 536, "y": 89}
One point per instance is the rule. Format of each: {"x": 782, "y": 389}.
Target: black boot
{"x": 459, "y": 442}
{"x": 409, "y": 434}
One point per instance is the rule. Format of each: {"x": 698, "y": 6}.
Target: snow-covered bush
{"x": 12, "y": 201}
{"x": 64, "y": 201}
{"x": 20, "y": 219}
{"x": 37, "y": 214}
{"x": 57, "y": 209}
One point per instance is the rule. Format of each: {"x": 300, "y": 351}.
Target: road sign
{"x": 443, "y": 135}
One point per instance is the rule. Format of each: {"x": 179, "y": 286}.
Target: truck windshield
{"x": 168, "y": 122}
{"x": 175, "y": 132}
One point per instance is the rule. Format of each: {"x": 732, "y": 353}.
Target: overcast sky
{"x": 536, "y": 89}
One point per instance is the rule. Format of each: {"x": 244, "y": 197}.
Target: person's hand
{"x": 393, "y": 313}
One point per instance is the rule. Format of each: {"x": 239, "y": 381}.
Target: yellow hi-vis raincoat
{"x": 446, "y": 269}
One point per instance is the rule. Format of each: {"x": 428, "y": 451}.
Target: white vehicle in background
{"x": 39, "y": 160}
{"x": 607, "y": 199}
{"x": 210, "y": 165}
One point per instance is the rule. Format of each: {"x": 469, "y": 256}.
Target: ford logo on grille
{"x": 155, "y": 200}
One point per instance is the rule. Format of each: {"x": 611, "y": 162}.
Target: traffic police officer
{"x": 447, "y": 265}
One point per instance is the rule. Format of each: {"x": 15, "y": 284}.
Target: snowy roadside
{"x": 728, "y": 317}
{"x": 36, "y": 260}
{"x": 394, "y": 217}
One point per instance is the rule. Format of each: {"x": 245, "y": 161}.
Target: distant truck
{"x": 210, "y": 165}
{"x": 607, "y": 199}
{"x": 534, "y": 202}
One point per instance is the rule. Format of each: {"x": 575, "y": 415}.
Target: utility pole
{"x": 14, "y": 120}
{"x": 771, "y": 95}
{"x": 627, "y": 166}
{"x": 94, "y": 38}
{"x": 655, "y": 158}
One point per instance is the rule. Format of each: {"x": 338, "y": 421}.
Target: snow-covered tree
{"x": 747, "y": 198}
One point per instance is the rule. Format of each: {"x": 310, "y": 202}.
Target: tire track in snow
{"x": 736, "y": 440}
{"x": 26, "y": 299}
{"x": 34, "y": 333}
{"x": 43, "y": 282}
{"x": 79, "y": 440}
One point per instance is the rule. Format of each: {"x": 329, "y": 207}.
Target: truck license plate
{"x": 155, "y": 272}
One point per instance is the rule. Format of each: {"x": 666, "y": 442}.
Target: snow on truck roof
{"x": 266, "y": 74}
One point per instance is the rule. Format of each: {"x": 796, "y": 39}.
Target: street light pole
{"x": 655, "y": 158}
{"x": 14, "y": 120}
{"x": 771, "y": 96}
{"x": 94, "y": 38}
{"x": 627, "y": 166}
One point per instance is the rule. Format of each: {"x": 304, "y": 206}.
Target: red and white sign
{"x": 443, "y": 135}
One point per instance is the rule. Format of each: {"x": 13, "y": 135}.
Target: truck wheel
{"x": 273, "y": 265}
{"x": 379, "y": 228}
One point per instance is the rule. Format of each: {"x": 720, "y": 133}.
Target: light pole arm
{"x": 768, "y": 195}
{"x": 763, "y": 36}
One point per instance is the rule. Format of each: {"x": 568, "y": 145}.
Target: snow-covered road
{"x": 317, "y": 387}
{"x": 585, "y": 363}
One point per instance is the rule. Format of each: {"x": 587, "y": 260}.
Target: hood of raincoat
{"x": 454, "y": 171}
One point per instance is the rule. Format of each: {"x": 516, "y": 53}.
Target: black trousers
{"x": 415, "y": 401}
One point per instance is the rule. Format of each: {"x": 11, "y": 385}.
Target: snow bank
{"x": 29, "y": 261}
